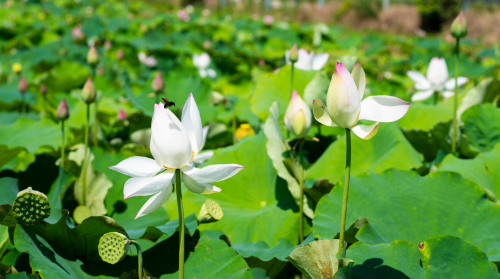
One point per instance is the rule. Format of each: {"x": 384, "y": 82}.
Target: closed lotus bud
{"x": 157, "y": 85}
{"x": 77, "y": 33}
{"x": 119, "y": 54}
{"x": 43, "y": 89}
{"x": 210, "y": 212}
{"x": 17, "y": 68}
{"x": 122, "y": 115}
{"x": 23, "y": 85}
{"x": 92, "y": 56}
{"x": 294, "y": 54}
{"x": 31, "y": 207}
{"x": 298, "y": 117}
{"x": 459, "y": 26}
{"x": 63, "y": 110}
{"x": 88, "y": 91}
{"x": 100, "y": 70}
{"x": 107, "y": 45}
{"x": 113, "y": 247}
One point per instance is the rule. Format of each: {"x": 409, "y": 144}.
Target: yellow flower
{"x": 244, "y": 130}
{"x": 17, "y": 67}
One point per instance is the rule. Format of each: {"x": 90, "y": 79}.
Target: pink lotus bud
{"x": 122, "y": 115}
{"x": 23, "y": 85}
{"x": 77, "y": 33}
{"x": 183, "y": 15}
{"x": 459, "y": 26}
{"x": 298, "y": 116}
{"x": 158, "y": 84}
{"x": 268, "y": 19}
{"x": 107, "y": 45}
{"x": 119, "y": 54}
{"x": 88, "y": 91}
{"x": 63, "y": 110}
{"x": 92, "y": 56}
{"x": 43, "y": 89}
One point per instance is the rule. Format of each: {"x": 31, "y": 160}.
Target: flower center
{"x": 167, "y": 168}
{"x": 193, "y": 154}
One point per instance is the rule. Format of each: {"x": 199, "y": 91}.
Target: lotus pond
{"x": 146, "y": 143}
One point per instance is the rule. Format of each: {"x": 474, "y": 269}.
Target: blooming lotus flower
{"x": 436, "y": 81}
{"x": 174, "y": 145}
{"x": 307, "y": 60}
{"x": 344, "y": 106}
{"x": 205, "y": 155}
{"x": 202, "y": 61}
{"x": 268, "y": 19}
{"x": 149, "y": 61}
{"x": 298, "y": 116}
{"x": 183, "y": 15}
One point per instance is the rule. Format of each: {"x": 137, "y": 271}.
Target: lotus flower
{"x": 344, "y": 106}
{"x": 202, "y": 61}
{"x": 307, "y": 60}
{"x": 149, "y": 61}
{"x": 174, "y": 145}
{"x": 268, "y": 19}
{"x": 298, "y": 116}
{"x": 436, "y": 81}
{"x": 183, "y": 15}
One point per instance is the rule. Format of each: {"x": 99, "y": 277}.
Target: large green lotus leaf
{"x": 401, "y": 205}
{"x": 9, "y": 189}
{"x": 16, "y": 159}
{"x": 256, "y": 204}
{"x": 486, "y": 91}
{"x": 154, "y": 233}
{"x": 317, "y": 88}
{"x": 423, "y": 117}
{"x": 35, "y": 136}
{"x": 438, "y": 257}
{"x": 316, "y": 260}
{"x": 56, "y": 195}
{"x": 10, "y": 94}
{"x": 276, "y": 87}
{"x": 482, "y": 126}
{"x": 67, "y": 75}
{"x": 388, "y": 149}
{"x": 45, "y": 260}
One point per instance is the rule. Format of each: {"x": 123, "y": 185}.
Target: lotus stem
{"x": 346, "y": 187}
{"x": 235, "y": 138}
{"x": 301, "y": 201}
{"x": 83, "y": 173}
{"x": 181, "y": 222}
{"x": 291, "y": 79}
{"x": 455, "y": 124}
{"x": 94, "y": 127}
{"x": 139, "y": 257}
{"x": 436, "y": 97}
{"x": 23, "y": 106}
{"x": 62, "y": 145}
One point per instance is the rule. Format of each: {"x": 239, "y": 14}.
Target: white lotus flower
{"x": 202, "y": 61}
{"x": 149, "y": 61}
{"x": 436, "y": 81}
{"x": 344, "y": 106}
{"x": 307, "y": 60}
{"x": 174, "y": 145}
{"x": 205, "y": 155}
{"x": 298, "y": 116}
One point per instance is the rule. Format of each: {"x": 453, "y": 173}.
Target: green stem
{"x": 94, "y": 127}
{"x": 23, "y": 105}
{"x": 83, "y": 174}
{"x": 454, "y": 141}
{"x": 139, "y": 257}
{"x": 301, "y": 202}
{"x": 436, "y": 97}
{"x": 234, "y": 125}
{"x": 346, "y": 187}
{"x": 291, "y": 79}
{"x": 62, "y": 146}
{"x": 181, "y": 222}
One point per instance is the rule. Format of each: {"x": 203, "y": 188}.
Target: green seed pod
{"x": 113, "y": 247}
{"x": 81, "y": 213}
{"x": 210, "y": 212}
{"x": 31, "y": 207}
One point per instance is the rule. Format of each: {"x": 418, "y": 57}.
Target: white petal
{"x": 287, "y": 57}
{"x": 422, "y": 95}
{"x": 191, "y": 121}
{"x": 305, "y": 60}
{"x": 203, "y": 73}
{"x": 137, "y": 167}
{"x": 423, "y": 86}
{"x": 417, "y": 77}
{"x": 448, "y": 94}
{"x": 170, "y": 139}
{"x": 437, "y": 72}
{"x": 213, "y": 173}
{"x": 145, "y": 186}
{"x": 365, "y": 131}
{"x": 211, "y": 73}
{"x": 319, "y": 61}
{"x": 196, "y": 187}
{"x": 205, "y": 133}
{"x": 343, "y": 102}
{"x": 383, "y": 108}
{"x": 155, "y": 201}
{"x": 450, "y": 84}
{"x": 321, "y": 114}
{"x": 201, "y": 61}
{"x": 358, "y": 74}
{"x": 203, "y": 156}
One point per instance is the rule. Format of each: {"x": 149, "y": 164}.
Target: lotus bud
{"x": 107, "y": 45}
{"x": 113, "y": 247}
{"x": 157, "y": 85}
{"x": 210, "y": 212}
{"x": 88, "y": 91}
{"x": 17, "y": 68}
{"x": 268, "y": 20}
{"x": 92, "y": 56}
{"x": 31, "y": 207}
{"x": 23, "y": 85}
{"x": 206, "y": 44}
{"x": 43, "y": 89}
{"x": 77, "y": 33}
{"x": 119, "y": 54}
{"x": 294, "y": 54}
{"x": 63, "y": 110}
{"x": 122, "y": 115}
{"x": 100, "y": 70}
{"x": 459, "y": 26}
{"x": 298, "y": 116}
{"x": 244, "y": 130}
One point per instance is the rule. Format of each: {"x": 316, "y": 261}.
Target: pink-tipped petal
{"x": 137, "y": 167}
{"x": 155, "y": 201}
{"x": 365, "y": 132}
{"x": 358, "y": 74}
{"x": 140, "y": 186}
{"x": 321, "y": 114}
{"x": 383, "y": 108}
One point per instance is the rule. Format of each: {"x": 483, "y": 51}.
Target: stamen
{"x": 193, "y": 154}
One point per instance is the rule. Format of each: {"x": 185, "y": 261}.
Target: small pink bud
{"x": 92, "y": 56}
{"x": 459, "y": 26}
{"x": 268, "y": 20}
{"x": 23, "y": 85}
{"x": 158, "y": 84}
{"x": 119, "y": 54}
{"x": 77, "y": 33}
{"x": 63, "y": 110}
{"x": 107, "y": 45}
{"x": 43, "y": 89}
{"x": 294, "y": 54}
{"x": 88, "y": 91}
{"x": 122, "y": 115}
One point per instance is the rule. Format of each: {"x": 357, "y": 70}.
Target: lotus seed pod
{"x": 294, "y": 54}
{"x": 92, "y": 56}
{"x": 81, "y": 213}
{"x": 210, "y": 212}
{"x": 113, "y": 247}
{"x": 63, "y": 110}
{"x": 88, "y": 91}
{"x": 23, "y": 85}
{"x": 158, "y": 83}
{"x": 459, "y": 26}
{"x": 31, "y": 207}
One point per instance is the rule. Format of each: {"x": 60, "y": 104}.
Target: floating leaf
{"x": 316, "y": 260}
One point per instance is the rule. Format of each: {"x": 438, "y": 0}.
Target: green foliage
{"x": 482, "y": 126}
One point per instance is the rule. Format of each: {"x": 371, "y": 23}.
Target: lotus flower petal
{"x": 383, "y": 108}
